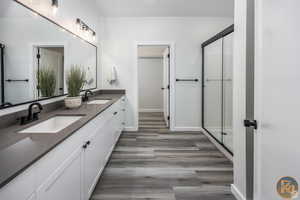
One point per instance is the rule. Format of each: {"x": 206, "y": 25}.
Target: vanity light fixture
{"x": 81, "y": 26}
{"x": 94, "y": 36}
{"x": 54, "y": 6}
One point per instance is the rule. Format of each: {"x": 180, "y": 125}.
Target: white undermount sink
{"x": 99, "y": 101}
{"x": 52, "y": 125}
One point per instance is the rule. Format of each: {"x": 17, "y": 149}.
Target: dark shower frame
{"x": 2, "y": 73}
{"x": 218, "y": 36}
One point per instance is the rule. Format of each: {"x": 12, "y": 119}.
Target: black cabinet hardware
{"x": 115, "y": 113}
{"x": 187, "y": 80}
{"x": 86, "y": 144}
{"x": 250, "y": 123}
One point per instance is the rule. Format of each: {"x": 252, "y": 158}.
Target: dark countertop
{"x": 19, "y": 151}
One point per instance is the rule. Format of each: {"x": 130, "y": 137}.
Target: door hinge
{"x": 169, "y": 56}
{"x": 168, "y": 87}
{"x": 38, "y": 56}
{"x": 250, "y": 123}
{"x": 168, "y": 118}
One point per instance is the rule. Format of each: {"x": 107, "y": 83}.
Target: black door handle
{"x": 250, "y": 123}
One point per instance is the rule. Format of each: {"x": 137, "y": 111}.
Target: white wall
{"x": 150, "y": 72}
{"x": 119, "y": 39}
{"x": 19, "y": 58}
{"x": 66, "y": 15}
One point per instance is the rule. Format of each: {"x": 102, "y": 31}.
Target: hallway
{"x": 156, "y": 164}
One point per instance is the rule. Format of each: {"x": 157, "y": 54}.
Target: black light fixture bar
{"x": 83, "y": 26}
{"x": 52, "y": 21}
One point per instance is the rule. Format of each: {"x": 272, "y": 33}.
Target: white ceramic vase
{"x": 73, "y": 102}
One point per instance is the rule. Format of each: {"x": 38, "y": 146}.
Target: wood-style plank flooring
{"x": 155, "y": 164}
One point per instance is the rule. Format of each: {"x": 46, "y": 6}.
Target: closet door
{"x": 227, "y": 91}
{"x": 212, "y": 86}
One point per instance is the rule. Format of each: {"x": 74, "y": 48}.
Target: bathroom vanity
{"x": 63, "y": 163}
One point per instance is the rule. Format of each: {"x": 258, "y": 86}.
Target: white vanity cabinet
{"x": 71, "y": 170}
{"x": 65, "y": 181}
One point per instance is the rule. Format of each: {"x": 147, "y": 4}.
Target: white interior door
{"x": 277, "y": 97}
{"x": 166, "y": 85}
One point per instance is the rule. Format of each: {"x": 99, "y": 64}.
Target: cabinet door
{"x": 93, "y": 159}
{"x": 65, "y": 181}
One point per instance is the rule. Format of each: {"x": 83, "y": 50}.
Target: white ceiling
{"x": 166, "y": 8}
{"x": 151, "y": 51}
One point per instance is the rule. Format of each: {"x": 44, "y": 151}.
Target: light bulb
{"x": 54, "y": 10}
{"x": 54, "y": 6}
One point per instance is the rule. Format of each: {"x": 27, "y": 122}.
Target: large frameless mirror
{"x": 36, "y": 54}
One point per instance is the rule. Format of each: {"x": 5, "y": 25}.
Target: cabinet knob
{"x": 88, "y": 142}
{"x": 84, "y": 146}
{"x": 115, "y": 113}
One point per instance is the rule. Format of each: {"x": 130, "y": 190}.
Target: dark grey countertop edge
{"x": 24, "y": 168}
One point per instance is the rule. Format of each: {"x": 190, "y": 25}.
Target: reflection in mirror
{"x": 37, "y": 54}
{"x": 49, "y": 71}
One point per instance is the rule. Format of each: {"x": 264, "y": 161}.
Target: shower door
{"x": 2, "y": 99}
{"x": 227, "y": 91}
{"x": 212, "y": 87}
{"x": 217, "y": 93}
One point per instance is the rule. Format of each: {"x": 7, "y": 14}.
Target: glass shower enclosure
{"x": 217, "y": 90}
{"x": 2, "y": 74}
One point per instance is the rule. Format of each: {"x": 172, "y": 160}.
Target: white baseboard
{"x": 220, "y": 147}
{"x": 131, "y": 129}
{"x": 186, "y": 129}
{"x": 237, "y": 193}
{"x": 150, "y": 110}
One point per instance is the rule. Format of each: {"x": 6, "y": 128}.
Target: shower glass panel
{"x": 213, "y": 89}
{"x": 217, "y": 92}
{"x": 227, "y": 91}
{"x": 1, "y": 75}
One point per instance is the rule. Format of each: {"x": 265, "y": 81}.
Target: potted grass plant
{"x": 46, "y": 82}
{"x": 76, "y": 78}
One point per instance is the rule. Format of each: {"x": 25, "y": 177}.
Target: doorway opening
{"x": 154, "y": 86}
{"x": 49, "y": 60}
